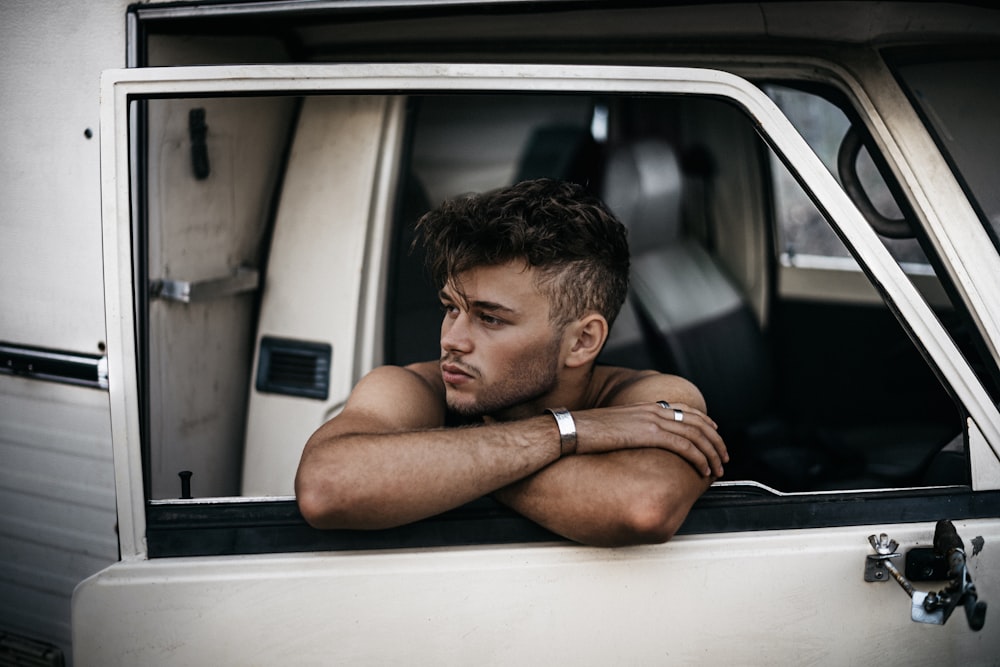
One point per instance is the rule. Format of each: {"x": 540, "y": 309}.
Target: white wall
{"x": 57, "y": 511}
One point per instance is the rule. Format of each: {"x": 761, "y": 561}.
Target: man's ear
{"x": 585, "y": 338}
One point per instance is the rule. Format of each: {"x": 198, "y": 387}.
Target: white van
{"x": 814, "y": 228}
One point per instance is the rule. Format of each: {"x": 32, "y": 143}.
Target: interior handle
{"x": 188, "y": 291}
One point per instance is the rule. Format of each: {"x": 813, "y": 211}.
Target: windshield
{"x": 960, "y": 102}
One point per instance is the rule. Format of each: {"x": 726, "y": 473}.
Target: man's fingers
{"x": 677, "y": 428}
{"x": 686, "y": 409}
{"x": 704, "y": 448}
{"x": 701, "y": 451}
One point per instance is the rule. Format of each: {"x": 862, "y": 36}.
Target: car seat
{"x": 686, "y": 316}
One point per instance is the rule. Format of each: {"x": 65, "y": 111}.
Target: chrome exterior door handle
{"x": 928, "y": 606}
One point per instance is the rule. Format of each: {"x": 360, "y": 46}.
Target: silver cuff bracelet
{"x": 567, "y": 430}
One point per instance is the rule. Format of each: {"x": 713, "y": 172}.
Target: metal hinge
{"x": 190, "y": 291}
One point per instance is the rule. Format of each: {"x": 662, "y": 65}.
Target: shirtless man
{"x": 531, "y": 277}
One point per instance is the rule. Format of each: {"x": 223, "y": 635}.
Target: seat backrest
{"x": 566, "y": 152}
{"x": 694, "y": 320}
{"x": 642, "y": 185}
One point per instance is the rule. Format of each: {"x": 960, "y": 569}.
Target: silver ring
{"x": 663, "y": 404}
{"x": 678, "y": 415}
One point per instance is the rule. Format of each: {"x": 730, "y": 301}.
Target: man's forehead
{"x": 511, "y": 286}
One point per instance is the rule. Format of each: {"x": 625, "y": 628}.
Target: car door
{"x": 757, "y": 575}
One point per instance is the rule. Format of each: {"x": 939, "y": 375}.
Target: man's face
{"x": 499, "y": 350}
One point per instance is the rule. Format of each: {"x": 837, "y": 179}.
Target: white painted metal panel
{"x": 51, "y": 291}
{"x": 783, "y": 596}
{"x": 778, "y": 598}
{"x": 57, "y": 523}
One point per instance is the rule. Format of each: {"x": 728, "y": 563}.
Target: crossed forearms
{"x": 389, "y": 479}
{"x": 624, "y": 485}
{"x": 634, "y": 496}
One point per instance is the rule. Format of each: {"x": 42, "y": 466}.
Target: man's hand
{"x": 645, "y": 471}
{"x": 694, "y": 437}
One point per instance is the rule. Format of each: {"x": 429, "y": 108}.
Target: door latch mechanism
{"x": 931, "y": 607}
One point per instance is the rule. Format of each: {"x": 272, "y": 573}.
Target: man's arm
{"x": 385, "y": 460}
{"x": 631, "y": 496}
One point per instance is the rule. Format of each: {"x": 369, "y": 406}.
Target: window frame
{"x": 120, "y": 88}
{"x": 948, "y": 218}
{"x": 899, "y": 60}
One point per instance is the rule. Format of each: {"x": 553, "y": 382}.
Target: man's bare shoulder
{"x": 624, "y": 386}
{"x": 429, "y": 372}
{"x": 423, "y": 376}
{"x": 407, "y": 396}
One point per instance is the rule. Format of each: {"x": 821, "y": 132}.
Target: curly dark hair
{"x": 577, "y": 245}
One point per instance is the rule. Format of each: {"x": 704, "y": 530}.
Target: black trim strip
{"x": 39, "y": 363}
{"x": 256, "y": 527}
{"x": 270, "y": 8}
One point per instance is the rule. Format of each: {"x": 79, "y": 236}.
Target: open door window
{"x": 256, "y": 223}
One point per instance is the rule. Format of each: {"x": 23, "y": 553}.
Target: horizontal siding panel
{"x": 58, "y": 519}
{"x": 38, "y": 615}
{"x": 59, "y": 513}
{"x": 80, "y": 430}
{"x": 101, "y": 543}
{"x": 37, "y": 559}
{"x": 37, "y": 578}
{"x": 59, "y": 484}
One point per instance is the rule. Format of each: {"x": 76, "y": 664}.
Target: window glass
{"x": 212, "y": 167}
{"x": 515, "y": 137}
{"x": 228, "y": 181}
{"x": 676, "y": 170}
{"x": 803, "y": 234}
{"x": 960, "y": 101}
{"x": 686, "y": 176}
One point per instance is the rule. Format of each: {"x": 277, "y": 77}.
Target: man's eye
{"x": 449, "y": 309}
{"x": 489, "y": 320}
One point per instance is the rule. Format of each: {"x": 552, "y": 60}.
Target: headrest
{"x": 566, "y": 152}
{"x": 642, "y": 186}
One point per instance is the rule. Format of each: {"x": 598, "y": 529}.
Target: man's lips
{"x": 454, "y": 374}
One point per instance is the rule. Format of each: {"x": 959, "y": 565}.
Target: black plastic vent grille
{"x": 294, "y": 368}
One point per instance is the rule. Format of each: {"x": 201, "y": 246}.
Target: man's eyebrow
{"x": 479, "y": 304}
{"x": 492, "y": 306}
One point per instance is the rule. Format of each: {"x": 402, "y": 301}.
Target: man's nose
{"x": 455, "y": 333}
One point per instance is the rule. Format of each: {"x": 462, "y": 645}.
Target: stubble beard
{"x": 522, "y": 382}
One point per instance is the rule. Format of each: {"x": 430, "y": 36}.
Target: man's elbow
{"x": 318, "y": 504}
{"x": 654, "y": 521}
{"x": 329, "y": 504}
{"x": 312, "y": 506}
{"x": 657, "y": 513}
